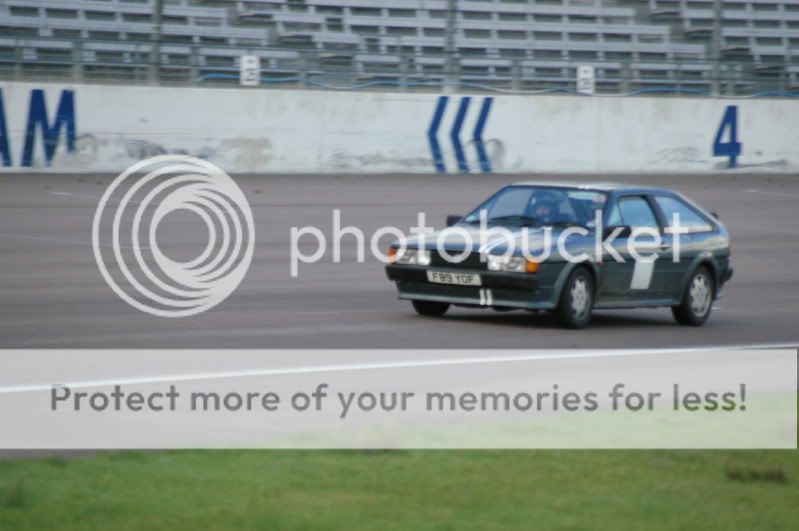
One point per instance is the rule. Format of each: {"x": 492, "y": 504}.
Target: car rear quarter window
{"x": 689, "y": 218}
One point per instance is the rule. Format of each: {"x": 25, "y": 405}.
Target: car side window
{"x": 689, "y": 218}
{"x": 634, "y": 212}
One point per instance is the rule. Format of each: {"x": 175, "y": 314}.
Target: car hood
{"x": 496, "y": 242}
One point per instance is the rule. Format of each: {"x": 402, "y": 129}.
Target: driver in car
{"x": 546, "y": 209}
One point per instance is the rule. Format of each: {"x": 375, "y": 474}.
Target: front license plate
{"x": 461, "y": 279}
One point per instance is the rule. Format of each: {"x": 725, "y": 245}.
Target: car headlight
{"x": 511, "y": 264}
{"x": 412, "y": 257}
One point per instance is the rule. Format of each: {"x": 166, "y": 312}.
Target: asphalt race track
{"x": 53, "y": 296}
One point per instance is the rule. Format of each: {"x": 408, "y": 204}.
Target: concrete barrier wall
{"x": 107, "y": 128}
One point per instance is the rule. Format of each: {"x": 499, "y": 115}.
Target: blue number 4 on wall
{"x": 731, "y": 148}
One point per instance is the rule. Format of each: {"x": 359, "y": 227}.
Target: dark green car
{"x": 569, "y": 249}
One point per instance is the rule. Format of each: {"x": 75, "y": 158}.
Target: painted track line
{"x": 412, "y": 364}
{"x": 78, "y": 196}
{"x": 763, "y": 229}
{"x": 778, "y": 194}
{"x": 59, "y": 240}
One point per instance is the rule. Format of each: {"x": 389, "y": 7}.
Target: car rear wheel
{"x": 430, "y": 308}
{"x": 697, "y": 301}
{"x": 576, "y": 300}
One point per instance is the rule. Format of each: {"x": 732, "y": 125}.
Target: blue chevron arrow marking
{"x": 485, "y": 162}
{"x": 455, "y": 134}
{"x": 432, "y": 132}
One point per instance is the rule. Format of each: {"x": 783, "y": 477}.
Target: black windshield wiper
{"x": 516, "y": 218}
{"x": 566, "y": 224}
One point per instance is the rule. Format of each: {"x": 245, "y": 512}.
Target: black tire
{"x": 576, "y": 300}
{"x": 697, "y": 301}
{"x": 430, "y": 308}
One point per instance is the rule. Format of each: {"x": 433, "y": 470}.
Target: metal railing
{"x": 126, "y": 62}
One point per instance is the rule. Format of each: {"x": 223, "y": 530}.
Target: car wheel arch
{"x": 711, "y": 267}
{"x": 591, "y": 267}
{"x": 706, "y": 261}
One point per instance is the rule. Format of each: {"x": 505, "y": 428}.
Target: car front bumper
{"x": 727, "y": 275}
{"x": 497, "y": 289}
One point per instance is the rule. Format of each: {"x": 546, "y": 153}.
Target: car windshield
{"x": 540, "y": 206}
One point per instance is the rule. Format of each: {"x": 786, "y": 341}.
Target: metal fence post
{"x": 194, "y": 64}
{"x": 626, "y": 74}
{"x": 730, "y": 72}
{"x": 450, "y": 75}
{"x": 303, "y": 70}
{"x": 77, "y": 61}
{"x": 716, "y": 47}
{"x": 155, "y": 45}
{"x": 404, "y": 66}
{"x": 18, "y": 57}
{"x": 516, "y": 75}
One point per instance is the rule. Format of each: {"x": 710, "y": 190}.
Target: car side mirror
{"x": 625, "y": 232}
{"x": 452, "y": 219}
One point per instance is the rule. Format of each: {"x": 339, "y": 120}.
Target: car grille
{"x": 472, "y": 261}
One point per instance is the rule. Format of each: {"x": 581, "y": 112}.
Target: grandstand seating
{"x": 524, "y": 44}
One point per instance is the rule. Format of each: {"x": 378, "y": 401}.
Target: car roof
{"x": 596, "y": 186}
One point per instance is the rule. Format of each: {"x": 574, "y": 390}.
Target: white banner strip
{"x": 114, "y": 399}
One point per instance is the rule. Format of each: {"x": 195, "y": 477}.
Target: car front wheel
{"x": 697, "y": 301}
{"x": 430, "y": 308}
{"x": 576, "y": 300}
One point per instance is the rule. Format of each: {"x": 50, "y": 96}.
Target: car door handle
{"x": 664, "y": 246}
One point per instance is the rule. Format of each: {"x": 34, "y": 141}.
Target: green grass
{"x": 404, "y": 490}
